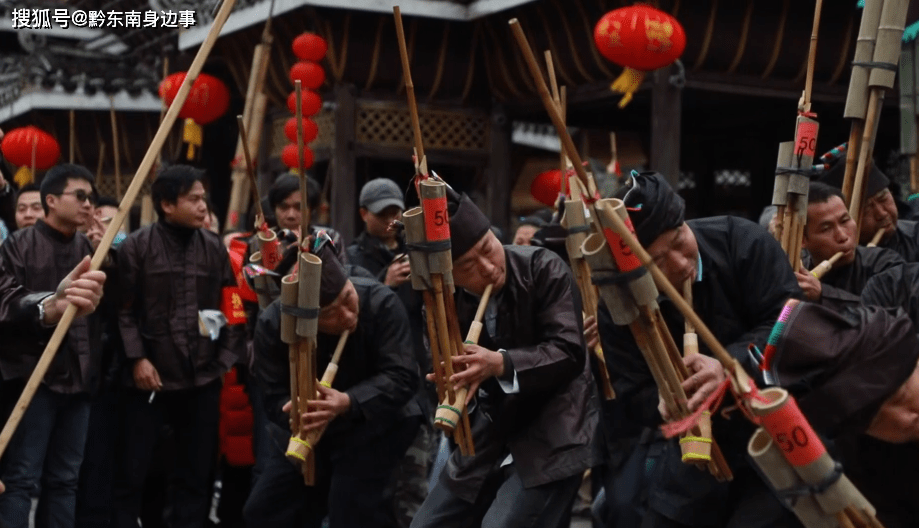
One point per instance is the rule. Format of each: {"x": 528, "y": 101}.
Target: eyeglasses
{"x": 82, "y": 196}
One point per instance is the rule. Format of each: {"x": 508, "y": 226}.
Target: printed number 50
{"x": 788, "y": 442}
{"x": 440, "y": 217}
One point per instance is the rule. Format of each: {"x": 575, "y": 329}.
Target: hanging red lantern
{"x": 289, "y": 157}
{"x": 19, "y": 145}
{"x": 310, "y": 129}
{"x": 207, "y": 100}
{"x": 310, "y": 103}
{"x": 546, "y": 186}
{"x": 310, "y": 74}
{"x": 310, "y": 46}
{"x": 641, "y": 39}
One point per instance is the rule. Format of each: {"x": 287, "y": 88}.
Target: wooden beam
{"x": 345, "y": 188}
{"x": 498, "y": 175}
{"x": 666, "y": 110}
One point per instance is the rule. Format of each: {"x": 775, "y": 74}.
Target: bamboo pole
{"x": 99, "y": 163}
{"x": 114, "y": 120}
{"x": 304, "y": 191}
{"x": 805, "y": 105}
{"x": 250, "y": 170}
{"x": 739, "y": 377}
{"x": 73, "y": 134}
{"x": 409, "y": 87}
{"x": 102, "y": 250}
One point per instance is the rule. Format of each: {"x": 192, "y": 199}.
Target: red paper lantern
{"x": 310, "y": 103}
{"x": 310, "y": 46}
{"x": 310, "y": 74}
{"x": 17, "y": 147}
{"x": 639, "y": 38}
{"x": 208, "y": 99}
{"x": 289, "y": 157}
{"x": 546, "y": 186}
{"x": 310, "y": 129}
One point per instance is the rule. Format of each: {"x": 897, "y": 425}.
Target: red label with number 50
{"x": 806, "y": 138}
{"x": 436, "y": 219}
{"x": 792, "y": 433}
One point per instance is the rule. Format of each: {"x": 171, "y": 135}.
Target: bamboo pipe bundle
{"x": 805, "y": 453}
{"x": 431, "y": 233}
{"x": 781, "y": 476}
{"x": 105, "y": 244}
{"x": 741, "y": 381}
{"x": 821, "y": 269}
{"x": 857, "y": 97}
{"x": 260, "y": 283}
{"x": 575, "y": 222}
{"x": 881, "y": 78}
{"x": 268, "y": 243}
{"x": 696, "y": 445}
{"x": 876, "y": 239}
{"x": 312, "y": 438}
{"x": 780, "y": 189}
{"x": 792, "y": 185}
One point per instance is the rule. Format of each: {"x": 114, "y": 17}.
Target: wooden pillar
{"x": 344, "y": 188}
{"x": 666, "y": 110}
{"x": 498, "y": 177}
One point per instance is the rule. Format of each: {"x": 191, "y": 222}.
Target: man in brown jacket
{"x": 170, "y": 271}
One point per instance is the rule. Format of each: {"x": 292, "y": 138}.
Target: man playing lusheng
{"x": 536, "y": 408}
{"x": 740, "y": 280}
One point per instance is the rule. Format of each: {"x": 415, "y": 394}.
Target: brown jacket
{"x": 39, "y": 257}
{"x": 167, "y": 275}
{"x": 550, "y": 426}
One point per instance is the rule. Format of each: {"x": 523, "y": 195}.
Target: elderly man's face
{"x": 880, "y": 212}
{"x": 524, "y": 234}
{"x": 897, "y": 421}
{"x": 482, "y": 265}
{"x": 676, "y": 253}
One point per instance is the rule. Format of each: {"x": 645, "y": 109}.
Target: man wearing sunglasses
{"x": 47, "y": 449}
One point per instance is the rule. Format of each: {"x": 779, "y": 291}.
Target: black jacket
{"x": 550, "y": 426}
{"x": 376, "y": 370}
{"x": 842, "y": 285}
{"x": 39, "y": 257}
{"x": 905, "y": 240}
{"x": 167, "y": 274}
{"x": 745, "y": 282}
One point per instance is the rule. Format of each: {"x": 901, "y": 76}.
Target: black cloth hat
{"x": 842, "y": 367}
{"x": 877, "y": 181}
{"x": 333, "y": 272}
{"x": 654, "y": 207}
{"x": 467, "y": 223}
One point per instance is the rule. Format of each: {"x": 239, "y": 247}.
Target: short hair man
{"x": 536, "y": 410}
{"x": 369, "y": 412}
{"x": 284, "y": 199}
{"x": 170, "y": 272}
{"x": 47, "y": 448}
{"x": 857, "y": 382}
{"x": 740, "y": 280}
{"x": 879, "y": 212}
{"x": 28, "y": 206}
{"x": 830, "y": 230}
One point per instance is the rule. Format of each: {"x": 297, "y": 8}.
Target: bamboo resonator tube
{"x": 821, "y": 269}
{"x": 791, "y": 454}
{"x": 311, "y": 439}
{"x": 696, "y": 445}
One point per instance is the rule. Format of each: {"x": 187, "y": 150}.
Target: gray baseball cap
{"x": 380, "y": 193}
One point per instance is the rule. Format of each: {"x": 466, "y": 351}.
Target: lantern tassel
{"x": 23, "y": 176}
{"x": 192, "y": 135}
{"x": 627, "y": 83}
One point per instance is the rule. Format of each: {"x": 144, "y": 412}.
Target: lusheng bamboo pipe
{"x": 805, "y": 105}
{"x": 115, "y": 150}
{"x": 105, "y": 245}
{"x": 696, "y": 445}
{"x": 821, "y": 269}
{"x": 876, "y": 239}
{"x": 409, "y": 87}
{"x": 250, "y": 170}
{"x": 304, "y": 192}
{"x": 328, "y": 377}
{"x": 740, "y": 379}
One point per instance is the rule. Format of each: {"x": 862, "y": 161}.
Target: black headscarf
{"x": 843, "y": 367}
{"x": 876, "y": 183}
{"x": 467, "y": 223}
{"x": 653, "y": 205}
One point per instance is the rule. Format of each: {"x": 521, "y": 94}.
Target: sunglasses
{"x": 82, "y": 196}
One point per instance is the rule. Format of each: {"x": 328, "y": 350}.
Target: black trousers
{"x": 349, "y": 485}
{"x": 94, "y": 493}
{"x": 193, "y": 415}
